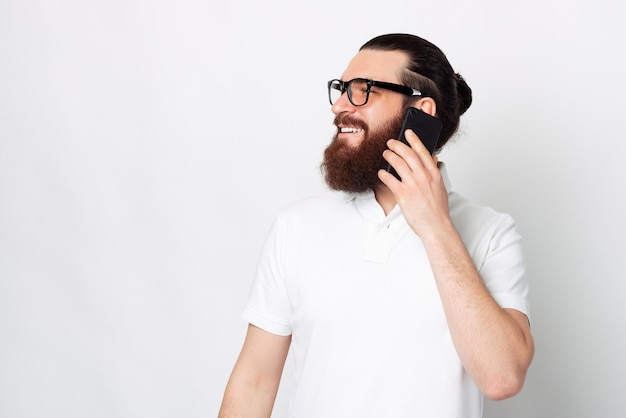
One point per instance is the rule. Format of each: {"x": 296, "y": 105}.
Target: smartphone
{"x": 426, "y": 127}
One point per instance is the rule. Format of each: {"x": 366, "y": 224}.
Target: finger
{"x": 389, "y": 180}
{"x": 416, "y": 143}
{"x": 424, "y": 155}
{"x": 406, "y": 153}
{"x": 399, "y": 147}
{"x": 396, "y": 161}
{"x": 400, "y": 164}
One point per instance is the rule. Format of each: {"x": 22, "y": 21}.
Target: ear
{"x": 427, "y": 105}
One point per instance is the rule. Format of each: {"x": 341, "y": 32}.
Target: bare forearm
{"x": 247, "y": 400}
{"x": 492, "y": 345}
{"x": 253, "y": 384}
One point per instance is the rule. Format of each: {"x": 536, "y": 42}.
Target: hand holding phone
{"x": 426, "y": 127}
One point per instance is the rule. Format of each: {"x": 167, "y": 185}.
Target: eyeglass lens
{"x": 357, "y": 90}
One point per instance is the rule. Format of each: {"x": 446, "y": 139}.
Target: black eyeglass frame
{"x": 344, "y": 86}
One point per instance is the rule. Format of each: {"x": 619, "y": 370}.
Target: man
{"x": 397, "y": 298}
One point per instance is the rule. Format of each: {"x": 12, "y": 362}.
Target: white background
{"x": 145, "y": 147}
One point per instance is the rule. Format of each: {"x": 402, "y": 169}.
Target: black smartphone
{"x": 426, "y": 127}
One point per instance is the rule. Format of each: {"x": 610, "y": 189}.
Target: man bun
{"x": 430, "y": 72}
{"x": 464, "y": 94}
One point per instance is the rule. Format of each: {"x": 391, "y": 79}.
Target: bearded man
{"x": 397, "y": 297}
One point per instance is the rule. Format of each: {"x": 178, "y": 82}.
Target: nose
{"x": 342, "y": 105}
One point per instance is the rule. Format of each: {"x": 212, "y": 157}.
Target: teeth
{"x": 350, "y": 130}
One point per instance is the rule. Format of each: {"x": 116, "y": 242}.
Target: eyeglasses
{"x": 358, "y": 90}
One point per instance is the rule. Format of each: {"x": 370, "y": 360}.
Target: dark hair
{"x": 430, "y": 72}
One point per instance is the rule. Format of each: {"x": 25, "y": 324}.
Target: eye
{"x": 359, "y": 86}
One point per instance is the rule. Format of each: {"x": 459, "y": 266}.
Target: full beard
{"x": 355, "y": 168}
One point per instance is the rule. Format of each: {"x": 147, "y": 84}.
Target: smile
{"x": 350, "y": 130}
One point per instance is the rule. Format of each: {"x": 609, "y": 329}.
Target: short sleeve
{"x": 503, "y": 269}
{"x": 268, "y": 304}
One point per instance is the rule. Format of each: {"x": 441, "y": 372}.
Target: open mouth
{"x": 350, "y": 130}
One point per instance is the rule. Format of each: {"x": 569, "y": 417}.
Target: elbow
{"x": 501, "y": 392}
{"x": 505, "y": 386}
{"x": 507, "y": 379}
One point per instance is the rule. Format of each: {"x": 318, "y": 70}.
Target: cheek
{"x": 383, "y": 116}
{"x": 388, "y": 128}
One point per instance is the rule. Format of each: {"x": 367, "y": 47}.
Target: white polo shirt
{"x": 355, "y": 290}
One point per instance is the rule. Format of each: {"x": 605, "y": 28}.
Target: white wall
{"x": 145, "y": 147}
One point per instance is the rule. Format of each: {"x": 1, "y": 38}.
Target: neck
{"x": 385, "y": 198}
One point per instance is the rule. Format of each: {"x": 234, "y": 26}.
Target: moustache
{"x": 348, "y": 120}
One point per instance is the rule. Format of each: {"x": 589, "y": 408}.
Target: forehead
{"x": 376, "y": 65}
